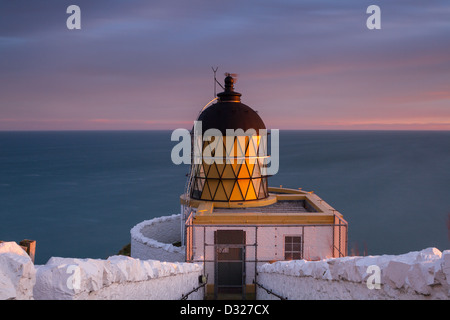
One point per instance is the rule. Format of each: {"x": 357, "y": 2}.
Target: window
{"x": 292, "y": 247}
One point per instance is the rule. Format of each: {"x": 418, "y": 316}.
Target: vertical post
{"x": 244, "y": 264}
{"x": 30, "y": 247}
{"x": 189, "y": 244}
{"x": 333, "y": 234}
{"x": 182, "y": 225}
{"x": 303, "y": 242}
{"x": 216, "y": 278}
{"x": 256, "y": 255}
{"x": 215, "y": 80}
{"x": 244, "y": 273}
{"x": 346, "y": 240}
{"x": 204, "y": 251}
{"x": 340, "y": 252}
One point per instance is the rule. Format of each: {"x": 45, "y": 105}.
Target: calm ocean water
{"x": 78, "y": 194}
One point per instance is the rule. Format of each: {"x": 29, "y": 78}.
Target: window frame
{"x": 292, "y": 253}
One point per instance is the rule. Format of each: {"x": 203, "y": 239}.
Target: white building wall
{"x": 318, "y": 242}
{"x": 270, "y": 240}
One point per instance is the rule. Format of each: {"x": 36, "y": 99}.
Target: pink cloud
{"x": 90, "y": 124}
{"x": 424, "y": 96}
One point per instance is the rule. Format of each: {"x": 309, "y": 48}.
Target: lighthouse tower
{"x": 231, "y": 220}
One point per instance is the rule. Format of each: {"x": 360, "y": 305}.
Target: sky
{"x": 302, "y": 64}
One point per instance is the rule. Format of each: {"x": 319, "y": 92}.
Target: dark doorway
{"x": 229, "y": 263}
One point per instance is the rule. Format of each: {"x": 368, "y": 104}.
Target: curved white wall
{"x": 152, "y": 239}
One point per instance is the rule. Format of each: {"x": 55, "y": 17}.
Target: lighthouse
{"x": 232, "y": 221}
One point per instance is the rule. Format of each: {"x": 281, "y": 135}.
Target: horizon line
{"x": 117, "y": 130}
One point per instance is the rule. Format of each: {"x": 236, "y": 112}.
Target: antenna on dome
{"x": 215, "y": 80}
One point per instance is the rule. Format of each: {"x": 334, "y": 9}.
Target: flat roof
{"x": 281, "y": 206}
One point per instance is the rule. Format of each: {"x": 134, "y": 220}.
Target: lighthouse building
{"x": 232, "y": 221}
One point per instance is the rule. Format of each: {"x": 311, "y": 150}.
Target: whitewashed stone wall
{"x": 17, "y": 273}
{"x": 416, "y": 275}
{"x": 153, "y": 239}
{"x": 118, "y": 277}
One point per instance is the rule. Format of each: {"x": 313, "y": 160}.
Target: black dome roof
{"x": 230, "y": 113}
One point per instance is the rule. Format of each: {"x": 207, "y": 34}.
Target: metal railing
{"x": 338, "y": 245}
{"x": 199, "y": 254}
{"x": 270, "y": 291}
{"x": 203, "y": 280}
{"x": 340, "y": 223}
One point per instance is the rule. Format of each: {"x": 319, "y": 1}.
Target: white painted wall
{"x": 317, "y": 245}
{"x": 118, "y": 277}
{"x": 17, "y": 273}
{"x": 416, "y": 275}
{"x": 152, "y": 239}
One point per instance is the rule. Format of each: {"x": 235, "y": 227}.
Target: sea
{"x": 78, "y": 193}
